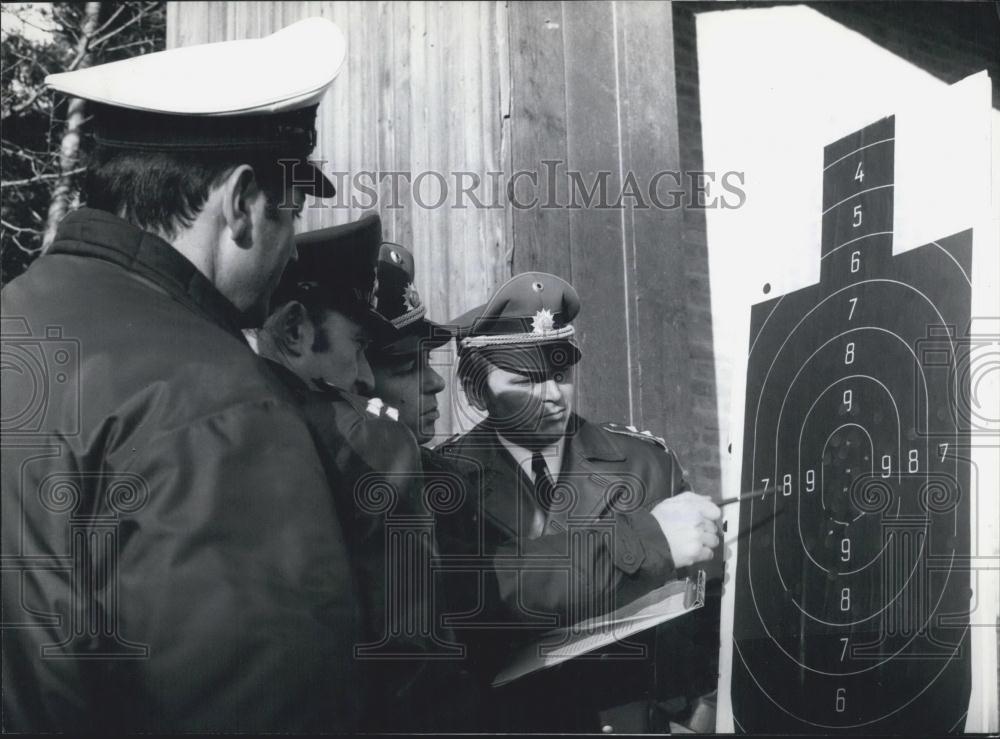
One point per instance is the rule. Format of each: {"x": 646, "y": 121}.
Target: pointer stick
{"x": 748, "y": 496}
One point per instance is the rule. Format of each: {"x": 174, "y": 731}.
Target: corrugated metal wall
{"x": 424, "y": 89}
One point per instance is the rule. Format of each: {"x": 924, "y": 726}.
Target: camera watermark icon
{"x": 966, "y": 364}
{"x": 41, "y": 380}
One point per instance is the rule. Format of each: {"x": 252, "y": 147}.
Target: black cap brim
{"x": 380, "y": 330}
{"x": 540, "y": 360}
{"x": 309, "y": 178}
{"x": 421, "y": 335}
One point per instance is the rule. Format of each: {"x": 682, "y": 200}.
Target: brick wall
{"x": 702, "y": 453}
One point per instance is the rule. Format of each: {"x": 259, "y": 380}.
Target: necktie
{"x": 543, "y": 481}
{"x": 545, "y": 491}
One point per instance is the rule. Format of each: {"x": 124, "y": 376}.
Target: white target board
{"x": 862, "y": 596}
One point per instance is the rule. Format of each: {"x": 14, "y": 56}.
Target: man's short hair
{"x": 316, "y": 309}
{"x": 163, "y": 192}
{"x": 473, "y": 369}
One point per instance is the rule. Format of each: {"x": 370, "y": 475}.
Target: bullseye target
{"x": 851, "y": 607}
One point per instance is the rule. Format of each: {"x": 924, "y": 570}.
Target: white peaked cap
{"x": 288, "y": 70}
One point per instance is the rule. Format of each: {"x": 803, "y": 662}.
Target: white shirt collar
{"x": 553, "y": 456}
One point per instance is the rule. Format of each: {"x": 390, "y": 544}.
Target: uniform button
{"x": 629, "y": 558}
{"x": 608, "y": 729}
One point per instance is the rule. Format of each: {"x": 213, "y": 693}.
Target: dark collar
{"x": 302, "y": 391}
{"x": 298, "y": 388}
{"x": 590, "y": 443}
{"x": 97, "y": 234}
{"x": 587, "y": 448}
{"x": 583, "y": 440}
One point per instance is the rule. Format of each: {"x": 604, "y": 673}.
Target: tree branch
{"x": 18, "y": 229}
{"x": 24, "y": 105}
{"x": 23, "y": 151}
{"x": 140, "y": 14}
{"x": 139, "y": 42}
{"x": 69, "y": 149}
{"x": 118, "y": 11}
{"x": 41, "y": 178}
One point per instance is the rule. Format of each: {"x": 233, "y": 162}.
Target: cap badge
{"x": 542, "y": 322}
{"x": 410, "y": 296}
{"x": 394, "y": 256}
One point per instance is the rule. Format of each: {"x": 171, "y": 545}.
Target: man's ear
{"x": 238, "y": 191}
{"x": 291, "y": 327}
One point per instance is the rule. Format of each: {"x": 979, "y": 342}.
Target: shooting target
{"x": 852, "y": 585}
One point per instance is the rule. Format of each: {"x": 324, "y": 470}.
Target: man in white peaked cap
{"x": 172, "y": 557}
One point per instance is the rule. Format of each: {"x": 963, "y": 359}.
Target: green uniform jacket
{"x": 172, "y": 559}
{"x": 611, "y": 478}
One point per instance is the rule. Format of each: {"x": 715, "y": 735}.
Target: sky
{"x": 33, "y": 21}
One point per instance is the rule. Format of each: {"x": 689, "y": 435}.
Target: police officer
{"x": 173, "y": 561}
{"x": 403, "y": 374}
{"x": 546, "y": 471}
{"x": 406, "y": 380}
{"x": 317, "y": 334}
{"x": 323, "y": 316}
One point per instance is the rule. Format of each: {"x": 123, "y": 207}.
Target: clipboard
{"x": 559, "y": 645}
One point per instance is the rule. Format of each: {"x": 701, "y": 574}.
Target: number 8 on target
{"x": 850, "y": 603}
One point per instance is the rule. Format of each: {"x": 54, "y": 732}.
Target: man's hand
{"x": 689, "y": 523}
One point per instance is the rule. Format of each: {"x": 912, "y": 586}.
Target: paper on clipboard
{"x": 658, "y": 606}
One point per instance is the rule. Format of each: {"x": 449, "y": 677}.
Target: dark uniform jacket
{"x": 610, "y": 478}
{"x": 408, "y": 663}
{"x": 172, "y": 559}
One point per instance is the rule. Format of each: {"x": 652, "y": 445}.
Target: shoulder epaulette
{"x": 365, "y": 407}
{"x": 377, "y": 407}
{"x": 447, "y": 444}
{"x": 617, "y": 428}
